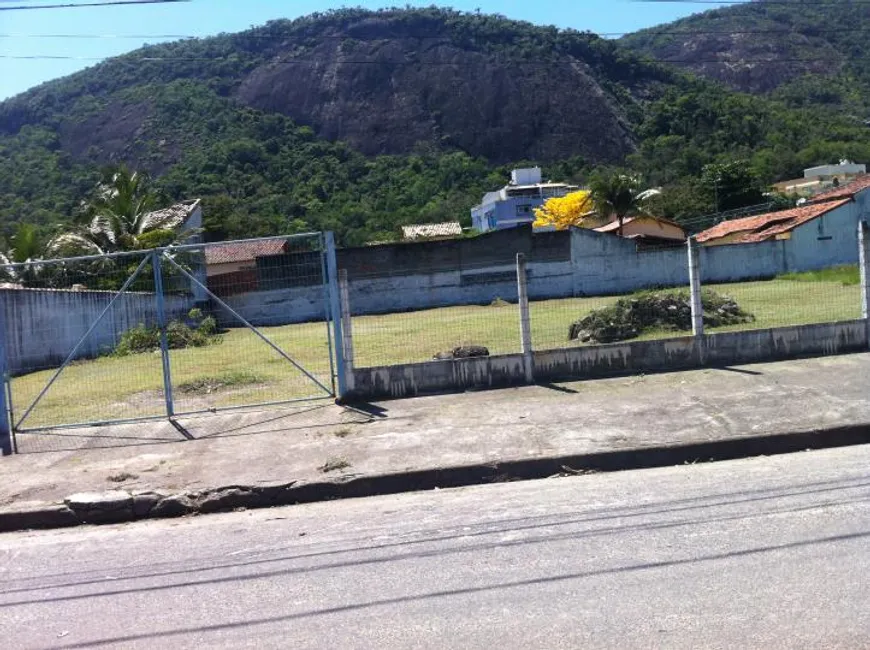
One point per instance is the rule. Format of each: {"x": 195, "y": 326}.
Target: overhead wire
{"x": 94, "y": 3}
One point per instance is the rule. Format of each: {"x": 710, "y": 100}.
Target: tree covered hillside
{"x": 363, "y": 121}
{"x": 810, "y": 52}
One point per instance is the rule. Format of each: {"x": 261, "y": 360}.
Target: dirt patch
{"x": 334, "y": 465}
{"x": 209, "y": 385}
{"x": 122, "y": 477}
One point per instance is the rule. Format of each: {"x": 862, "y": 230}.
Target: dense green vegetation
{"x": 805, "y": 53}
{"x": 262, "y": 173}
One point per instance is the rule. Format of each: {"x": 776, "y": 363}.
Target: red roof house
{"x": 770, "y": 226}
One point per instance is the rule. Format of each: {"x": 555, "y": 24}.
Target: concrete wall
{"x": 272, "y": 308}
{"x": 412, "y": 276}
{"x": 392, "y": 294}
{"x": 605, "y": 264}
{"x": 724, "y": 349}
{"x": 43, "y": 325}
{"x": 830, "y": 240}
{"x": 744, "y": 261}
{"x": 421, "y": 258}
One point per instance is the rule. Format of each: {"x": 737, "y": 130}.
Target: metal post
{"x": 695, "y": 285}
{"x": 335, "y": 311}
{"x": 525, "y": 319}
{"x": 324, "y": 274}
{"x": 346, "y": 328}
{"x": 6, "y": 441}
{"x": 156, "y": 258}
{"x": 864, "y": 265}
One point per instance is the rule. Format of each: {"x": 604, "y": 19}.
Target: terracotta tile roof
{"x": 243, "y": 251}
{"x": 450, "y": 229}
{"x": 613, "y": 226}
{"x": 765, "y": 226}
{"x": 845, "y": 191}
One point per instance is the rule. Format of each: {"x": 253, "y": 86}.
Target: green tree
{"x": 732, "y": 185}
{"x": 617, "y": 195}
{"x": 121, "y": 215}
{"x": 26, "y": 249}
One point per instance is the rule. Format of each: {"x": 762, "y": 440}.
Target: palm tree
{"x": 26, "y": 249}
{"x": 118, "y": 216}
{"x": 618, "y": 195}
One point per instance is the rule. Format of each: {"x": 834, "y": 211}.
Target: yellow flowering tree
{"x": 562, "y": 212}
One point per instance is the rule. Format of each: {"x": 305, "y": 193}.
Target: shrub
{"x": 631, "y": 316}
{"x": 179, "y": 335}
{"x": 138, "y": 339}
{"x": 208, "y": 326}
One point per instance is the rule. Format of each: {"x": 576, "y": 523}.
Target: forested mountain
{"x": 361, "y": 121}
{"x": 815, "y": 52}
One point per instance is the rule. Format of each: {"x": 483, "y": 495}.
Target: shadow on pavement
{"x": 242, "y": 422}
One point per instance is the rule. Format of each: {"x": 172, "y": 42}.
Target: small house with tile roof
{"x": 771, "y": 226}
{"x": 821, "y": 232}
{"x": 647, "y": 231}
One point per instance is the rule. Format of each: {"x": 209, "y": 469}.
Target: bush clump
{"x": 197, "y": 332}
{"x": 655, "y": 310}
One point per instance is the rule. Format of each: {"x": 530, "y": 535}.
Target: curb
{"x": 121, "y": 506}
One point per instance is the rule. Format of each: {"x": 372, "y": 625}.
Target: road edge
{"x": 122, "y": 506}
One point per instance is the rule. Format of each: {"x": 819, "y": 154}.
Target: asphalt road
{"x": 770, "y": 552}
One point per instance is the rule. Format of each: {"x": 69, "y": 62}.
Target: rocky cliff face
{"x": 387, "y": 96}
{"x": 384, "y": 82}
{"x": 757, "y": 47}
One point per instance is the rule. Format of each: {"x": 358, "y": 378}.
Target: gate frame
{"x": 332, "y": 316}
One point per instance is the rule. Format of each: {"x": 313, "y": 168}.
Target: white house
{"x": 514, "y": 204}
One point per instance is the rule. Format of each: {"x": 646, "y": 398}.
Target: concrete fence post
{"x": 864, "y": 265}
{"x": 335, "y": 312}
{"x": 6, "y": 440}
{"x": 695, "y": 287}
{"x": 160, "y": 297}
{"x": 346, "y": 329}
{"x": 525, "y": 319}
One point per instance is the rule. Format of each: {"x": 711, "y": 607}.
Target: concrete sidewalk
{"x": 323, "y": 451}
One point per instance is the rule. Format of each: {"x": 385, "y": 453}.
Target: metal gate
{"x": 183, "y": 330}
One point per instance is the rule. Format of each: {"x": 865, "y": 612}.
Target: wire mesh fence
{"x": 487, "y": 314}
{"x": 396, "y": 319}
{"x": 603, "y": 308}
{"x": 236, "y": 324}
{"x": 257, "y": 332}
{"x": 824, "y": 296}
{"x": 166, "y": 332}
{"x": 65, "y": 324}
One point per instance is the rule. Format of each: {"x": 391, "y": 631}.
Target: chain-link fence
{"x": 603, "y": 308}
{"x": 426, "y": 325}
{"x": 257, "y": 331}
{"x": 204, "y": 327}
{"x": 823, "y": 296}
{"x": 177, "y": 331}
{"x": 66, "y": 322}
{"x": 591, "y": 301}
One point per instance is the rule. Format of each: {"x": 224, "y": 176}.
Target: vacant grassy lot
{"x": 241, "y": 369}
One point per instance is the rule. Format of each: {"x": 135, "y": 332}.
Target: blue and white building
{"x": 514, "y": 204}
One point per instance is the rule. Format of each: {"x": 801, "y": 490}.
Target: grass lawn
{"x": 242, "y": 369}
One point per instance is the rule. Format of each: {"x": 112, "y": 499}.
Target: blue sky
{"x": 207, "y": 17}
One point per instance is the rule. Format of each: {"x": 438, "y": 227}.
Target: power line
{"x": 98, "y": 3}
